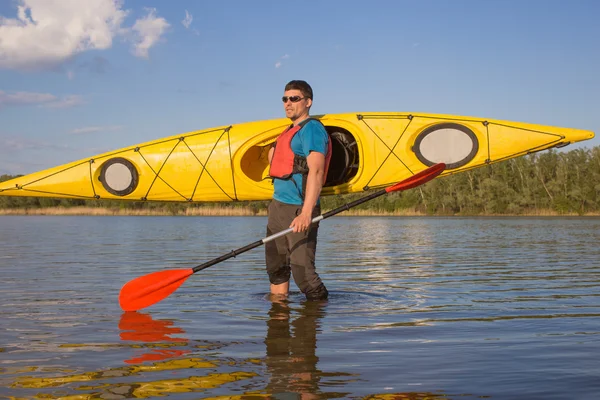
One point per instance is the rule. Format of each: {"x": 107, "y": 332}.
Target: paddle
{"x": 150, "y": 289}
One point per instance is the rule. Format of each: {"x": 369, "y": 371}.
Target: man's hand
{"x": 301, "y": 223}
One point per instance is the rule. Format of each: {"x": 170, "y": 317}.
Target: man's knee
{"x": 279, "y": 276}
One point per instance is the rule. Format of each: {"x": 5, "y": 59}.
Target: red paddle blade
{"x": 418, "y": 179}
{"x": 152, "y": 288}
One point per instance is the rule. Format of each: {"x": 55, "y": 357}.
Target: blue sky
{"x": 82, "y": 77}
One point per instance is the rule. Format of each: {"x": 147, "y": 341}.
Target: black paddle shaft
{"x": 234, "y": 253}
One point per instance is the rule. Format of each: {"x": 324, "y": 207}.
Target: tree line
{"x": 550, "y": 182}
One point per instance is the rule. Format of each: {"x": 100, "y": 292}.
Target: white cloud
{"x": 187, "y": 21}
{"x": 40, "y": 99}
{"x": 25, "y": 98}
{"x": 66, "y": 102}
{"x": 15, "y": 144}
{"x": 46, "y": 33}
{"x": 147, "y": 32}
{"x": 96, "y": 129}
{"x": 279, "y": 63}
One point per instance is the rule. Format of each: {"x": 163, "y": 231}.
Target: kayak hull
{"x": 229, "y": 163}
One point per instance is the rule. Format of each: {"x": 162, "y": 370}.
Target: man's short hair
{"x": 302, "y": 86}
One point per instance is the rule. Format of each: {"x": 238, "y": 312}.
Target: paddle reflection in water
{"x": 157, "y": 369}
{"x": 291, "y": 345}
{"x": 140, "y": 327}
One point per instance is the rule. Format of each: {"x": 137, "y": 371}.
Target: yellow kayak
{"x": 229, "y": 163}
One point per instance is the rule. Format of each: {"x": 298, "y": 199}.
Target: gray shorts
{"x": 294, "y": 252}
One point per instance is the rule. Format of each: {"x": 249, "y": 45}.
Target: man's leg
{"x": 303, "y": 247}
{"x": 280, "y": 290}
{"x": 276, "y": 257}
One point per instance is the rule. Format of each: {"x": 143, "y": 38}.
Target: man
{"x": 299, "y": 161}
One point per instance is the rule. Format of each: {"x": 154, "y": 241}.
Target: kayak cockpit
{"x": 344, "y": 162}
{"x": 343, "y": 165}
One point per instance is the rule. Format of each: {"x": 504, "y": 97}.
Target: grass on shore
{"x": 237, "y": 211}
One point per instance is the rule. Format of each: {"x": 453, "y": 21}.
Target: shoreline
{"x": 248, "y": 212}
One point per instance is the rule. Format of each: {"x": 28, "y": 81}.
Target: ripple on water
{"x": 418, "y": 308}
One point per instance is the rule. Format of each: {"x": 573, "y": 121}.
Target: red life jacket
{"x": 285, "y": 162}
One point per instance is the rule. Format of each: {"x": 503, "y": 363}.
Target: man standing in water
{"x": 299, "y": 161}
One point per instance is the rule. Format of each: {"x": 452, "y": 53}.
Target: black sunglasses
{"x": 293, "y": 99}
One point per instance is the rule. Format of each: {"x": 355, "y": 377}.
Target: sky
{"x": 78, "y": 78}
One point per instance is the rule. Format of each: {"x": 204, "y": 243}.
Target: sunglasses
{"x": 293, "y": 99}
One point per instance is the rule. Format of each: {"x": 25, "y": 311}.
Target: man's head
{"x": 302, "y": 86}
{"x": 297, "y": 100}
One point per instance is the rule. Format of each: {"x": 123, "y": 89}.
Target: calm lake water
{"x": 420, "y": 308}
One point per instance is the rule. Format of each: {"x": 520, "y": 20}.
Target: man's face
{"x": 295, "y": 104}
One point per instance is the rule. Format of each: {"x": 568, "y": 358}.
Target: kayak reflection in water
{"x": 291, "y": 349}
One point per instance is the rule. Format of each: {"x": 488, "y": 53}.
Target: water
{"x": 444, "y": 308}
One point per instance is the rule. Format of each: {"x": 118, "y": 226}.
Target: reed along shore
{"x": 220, "y": 211}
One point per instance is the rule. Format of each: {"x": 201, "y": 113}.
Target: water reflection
{"x": 291, "y": 345}
{"x": 292, "y": 361}
{"x": 421, "y": 308}
{"x": 384, "y": 244}
{"x": 157, "y": 369}
{"x": 140, "y": 327}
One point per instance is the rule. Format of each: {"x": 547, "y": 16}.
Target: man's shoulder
{"x": 314, "y": 125}
{"x": 314, "y": 122}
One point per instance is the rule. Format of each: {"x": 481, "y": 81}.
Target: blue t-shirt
{"x": 312, "y": 137}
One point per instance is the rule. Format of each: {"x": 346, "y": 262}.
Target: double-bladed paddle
{"x": 149, "y": 289}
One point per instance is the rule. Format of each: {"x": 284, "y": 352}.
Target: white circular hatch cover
{"x": 449, "y": 143}
{"x": 119, "y": 176}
